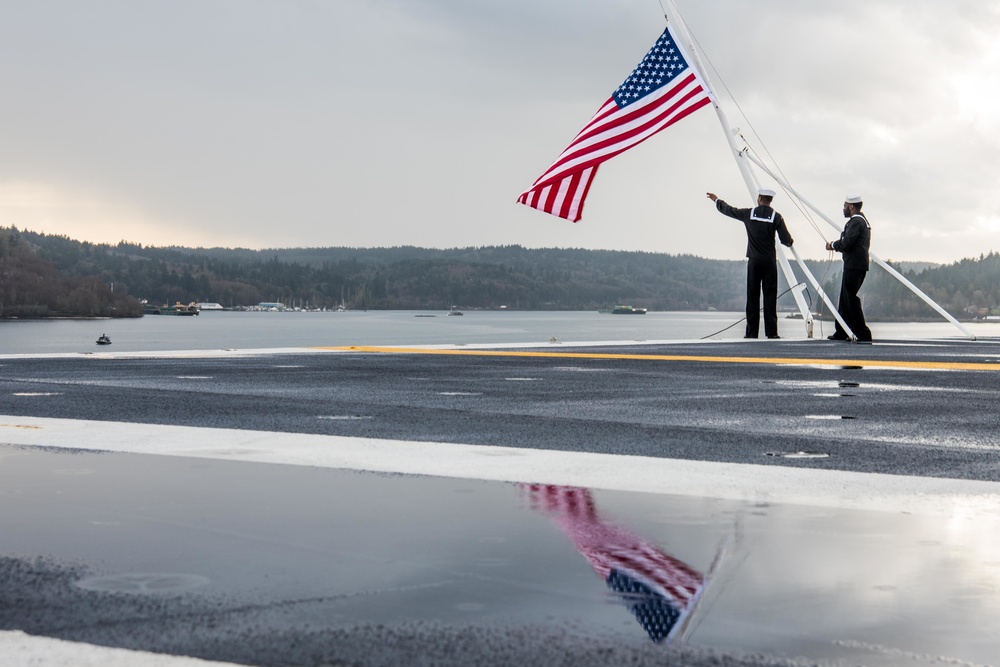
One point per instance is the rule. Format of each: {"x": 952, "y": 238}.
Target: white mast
{"x": 797, "y": 287}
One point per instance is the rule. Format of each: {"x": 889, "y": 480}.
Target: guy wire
{"x": 761, "y": 310}
{"x": 770, "y": 158}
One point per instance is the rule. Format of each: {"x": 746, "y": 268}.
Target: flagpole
{"x": 685, "y": 35}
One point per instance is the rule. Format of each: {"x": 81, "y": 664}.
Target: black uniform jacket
{"x": 854, "y": 243}
{"x": 762, "y": 223}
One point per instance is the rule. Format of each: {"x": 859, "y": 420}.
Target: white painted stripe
{"x": 759, "y": 483}
{"x": 22, "y": 650}
{"x": 271, "y": 351}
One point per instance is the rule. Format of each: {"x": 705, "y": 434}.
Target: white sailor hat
{"x": 765, "y": 192}
{"x": 853, "y": 199}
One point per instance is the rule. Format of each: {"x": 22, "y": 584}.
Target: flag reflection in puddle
{"x": 660, "y": 590}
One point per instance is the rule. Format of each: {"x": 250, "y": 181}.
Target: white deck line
{"x": 758, "y": 483}
{"x": 342, "y": 349}
{"x": 23, "y": 650}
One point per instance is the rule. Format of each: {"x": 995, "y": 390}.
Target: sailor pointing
{"x": 762, "y": 224}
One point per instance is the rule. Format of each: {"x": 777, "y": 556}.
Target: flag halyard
{"x": 661, "y": 90}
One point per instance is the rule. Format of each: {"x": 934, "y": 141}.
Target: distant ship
{"x": 627, "y": 310}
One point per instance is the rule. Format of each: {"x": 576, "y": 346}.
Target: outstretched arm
{"x": 722, "y": 207}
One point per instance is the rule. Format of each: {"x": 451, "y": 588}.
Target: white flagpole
{"x": 691, "y": 52}
{"x": 896, "y": 274}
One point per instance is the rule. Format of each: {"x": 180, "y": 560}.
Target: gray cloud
{"x": 383, "y": 122}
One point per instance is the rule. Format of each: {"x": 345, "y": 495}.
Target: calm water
{"x": 250, "y": 330}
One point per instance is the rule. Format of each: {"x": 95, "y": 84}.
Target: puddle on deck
{"x": 141, "y": 549}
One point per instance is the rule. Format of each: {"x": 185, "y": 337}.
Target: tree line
{"x": 32, "y": 286}
{"x": 49, "y": 275}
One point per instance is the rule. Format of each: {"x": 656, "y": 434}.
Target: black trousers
{"x": 849, "y": 305}
{"x": 762, "y": 276}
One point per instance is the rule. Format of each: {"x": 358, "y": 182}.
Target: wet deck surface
{"x": 196, "y": 546}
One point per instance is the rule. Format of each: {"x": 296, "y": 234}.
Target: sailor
{"x": 762, "y": 223}
{"x": 853, "y": 245}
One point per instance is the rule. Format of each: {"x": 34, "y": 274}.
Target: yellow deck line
{"x": 883, "y": 363}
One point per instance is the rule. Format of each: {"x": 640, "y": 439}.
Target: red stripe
{"x": 586, "y": 189}
{"x": 574, "y": 183}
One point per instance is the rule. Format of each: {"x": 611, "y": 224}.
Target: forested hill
{"x": 486, "y": 277}
{"x": 32, "y": 286}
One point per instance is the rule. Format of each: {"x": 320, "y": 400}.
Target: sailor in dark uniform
{"x": 853, "y": 244}
{"x": 762, "y": 223}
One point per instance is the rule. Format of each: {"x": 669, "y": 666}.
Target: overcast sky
{"x": 264, "y": 123}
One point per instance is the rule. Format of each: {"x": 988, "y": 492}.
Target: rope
{"x": 770, "y": 158}
{"x": 761, "y": 310}
{"x": 798, "y": 204}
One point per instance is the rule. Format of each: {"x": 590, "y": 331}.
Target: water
{"x": 263, "y": 330}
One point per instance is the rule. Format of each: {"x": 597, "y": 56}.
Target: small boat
{"x": 103, "y": 340}
{"x": 455, "y": 311}
{"x": 627, "y": 310}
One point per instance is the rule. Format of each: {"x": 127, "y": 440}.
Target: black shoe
{"x": 836, "y": 337}
{"x": 774, "y": 336}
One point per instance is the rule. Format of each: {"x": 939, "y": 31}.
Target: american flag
{"x": 658, "y": 589}
{"x": 661, "y": 90}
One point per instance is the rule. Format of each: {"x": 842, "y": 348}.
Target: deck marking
{"x": 703, "y": 479}
{"x": 790, "y": 361}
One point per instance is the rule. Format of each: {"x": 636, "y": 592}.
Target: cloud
{"x": 90, "y": 216}
{"x": 382, "y": 122}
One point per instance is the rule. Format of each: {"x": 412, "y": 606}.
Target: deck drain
{"x": 848, "y": 384}
{"x": 829, "y": 417}
{"x": 344, "y": 417}
{"x": 798, "y": 455}
{"x": 143, "y": 583}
